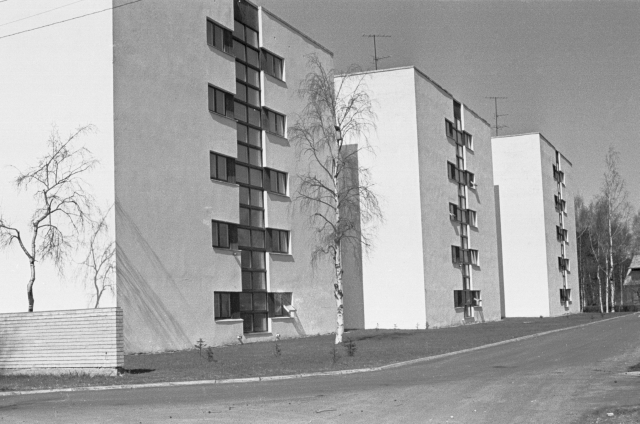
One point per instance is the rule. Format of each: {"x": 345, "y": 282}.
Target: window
{"x": 275, "y": 181}
{"x": 272, "y": 65}
{"x": 462, "y": 138}
{"x": 462, "y": 298}
{"x": 453, "y": 212}
{"x": 565, "y": 295}
{"x": 277, "y": 241}
{"x": 456, "y": 254}
{"x": 250, "y": 238}
{"x": 561, "y": 205}
{"x": 249, "y": 176}
{"x": 562, "y": 234}
{"x": 471, "y": 179}
{"x": 455, "y": 173}
{"x": 558, "y": 175}
{"x": 254, "y": 277}
{"x": 224, "y": 235}
{"x": 273, "y": 122}
{"x": 222, "y": 168}
{"x": 221, "y": 102}
{"x": 226, "y": 305}
{"x": 563, "y": 264}
{"x": 468, "y": 140}
{"x": 474, "y": 258}
{"x": 219, "y": 37}
{"x": 473, "y": 218}
{"x": 277, "y": 303}
{"x": 253, "y": 310}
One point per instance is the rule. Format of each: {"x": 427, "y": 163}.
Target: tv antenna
{"x": 498, "y": 127}
{"x": 375, "y": 51}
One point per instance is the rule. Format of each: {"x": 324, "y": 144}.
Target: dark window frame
{"x": 462, "y": 298}
{"x": 280, "y": 178}
{"x": 224, "y": 235}
{"x": 277, "y": 302}
{"x": 278, "y": 241}
{"x": 565, "y": 295}
{"x": 278, "y": 124}
{"x": 268, "y": 62}
{"x": 226, "y": 44}
{"x": 230, "y": 176}
{"x": 212, "y": 100}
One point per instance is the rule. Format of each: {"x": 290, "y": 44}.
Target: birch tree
{"x": 617, "y": 214}
{"x": 62, "y": 205}
{"x": 335, "y": 190}
{"x": 100, "y": 260}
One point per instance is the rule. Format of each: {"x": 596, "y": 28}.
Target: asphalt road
{"x": 557, "y": 378}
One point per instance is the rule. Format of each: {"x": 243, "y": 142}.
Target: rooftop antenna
{"x": 375, "y": 51}
{"x": 498, "y": 127}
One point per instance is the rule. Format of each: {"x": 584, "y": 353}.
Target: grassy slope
{"x": 311, "y": 354}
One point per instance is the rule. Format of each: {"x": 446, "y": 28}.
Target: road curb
{"x": 295, "y": 376}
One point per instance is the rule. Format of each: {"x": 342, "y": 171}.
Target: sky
{"x": 569, "y": 70}
{"x": 59, "y": 75}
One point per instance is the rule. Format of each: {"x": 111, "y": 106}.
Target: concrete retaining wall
{"x": 53, "y": 342}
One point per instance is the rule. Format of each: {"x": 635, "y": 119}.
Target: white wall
{"x": 517, "y": 173}
{"x": 393, "y": 275}
{"x": 58, "y": 75}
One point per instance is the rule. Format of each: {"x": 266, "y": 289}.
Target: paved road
{"x": 550, "y": 379}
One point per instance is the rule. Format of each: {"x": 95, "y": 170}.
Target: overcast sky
{"x": 570, "y": 70}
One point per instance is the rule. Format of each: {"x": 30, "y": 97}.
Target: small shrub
{"x": 277, "y": 350}
{"x": 334, "y": 354}
{"x": 426, "y": 325}
{"x": 210, "y": 357}
{"x": 350, "y": 345}
{"x": 199, "y": 345}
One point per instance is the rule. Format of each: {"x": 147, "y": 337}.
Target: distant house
{"x": 631, "y": 286}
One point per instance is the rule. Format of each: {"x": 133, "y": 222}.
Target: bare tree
{"x": 100, "y": 261}
{"x": 617, "y": 214}
{"x": 335, "y": 189}
{"x": 63, "y": 205}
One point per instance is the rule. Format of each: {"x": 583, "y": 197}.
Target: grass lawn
{"x": 310, "y": 354}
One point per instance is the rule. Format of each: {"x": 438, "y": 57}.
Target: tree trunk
{"x": 610, "y": 267}
{"x": 599, "y": 289}
{"x": 32, "y": 265}
{"x": 98, "y": 293}
{"x": 339, "y": 295}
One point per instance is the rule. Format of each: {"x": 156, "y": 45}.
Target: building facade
{"x": 536, "y": 223}
{"x": 434, "y": 262}
{"x": 210, "y": 244}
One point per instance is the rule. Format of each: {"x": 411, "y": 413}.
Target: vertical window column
{"x": 253, "y": 303}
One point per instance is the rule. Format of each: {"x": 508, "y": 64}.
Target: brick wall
{"x": 82, "y": 340}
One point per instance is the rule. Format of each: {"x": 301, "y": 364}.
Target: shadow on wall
{"x": 298, "y": 326}
{"x": 155, "y": 327}
{"x": 496, "y": 193}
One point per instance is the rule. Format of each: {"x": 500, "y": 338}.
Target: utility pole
{"x": 375, "y": 51}
{"x": 498, "y": 127}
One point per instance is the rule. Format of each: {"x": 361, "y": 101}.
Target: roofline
{"x": 296, "y": 30}
{"x": 541, "y": 136}
{"x": 425, "y": 76}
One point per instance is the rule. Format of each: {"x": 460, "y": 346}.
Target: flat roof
{"x": 541, "y": 136}
{"x": 425, "y": 76}
{"x": 296, "y": 30}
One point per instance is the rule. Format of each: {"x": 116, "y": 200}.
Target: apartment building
{"x": 210, "y": 243}
{"x": 536, "y": 223}
{"x": 434, "y": 262}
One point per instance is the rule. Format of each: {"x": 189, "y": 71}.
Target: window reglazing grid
{"x": 253, "y": 305}
{"x": 463, "y": 256}
{"x": 561, "y": 231}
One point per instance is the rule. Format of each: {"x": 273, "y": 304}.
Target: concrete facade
{"x": 166, "y": 200}
{"x": 530, "y": 177}
{"x": 410, "y": 279}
